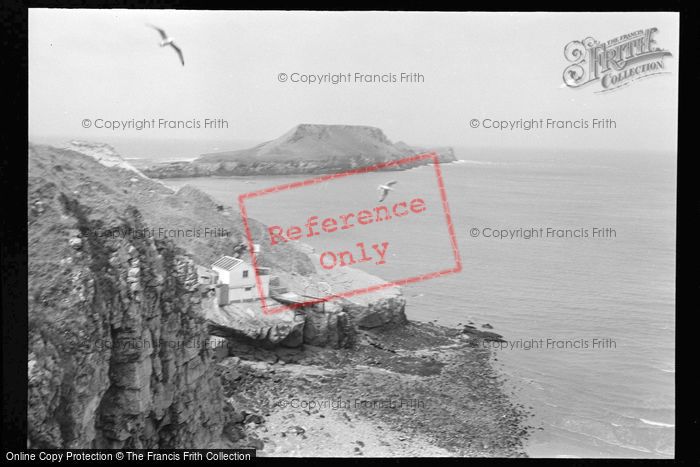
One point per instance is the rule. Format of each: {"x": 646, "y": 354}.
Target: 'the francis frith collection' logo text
{"x": 615, "y": 63}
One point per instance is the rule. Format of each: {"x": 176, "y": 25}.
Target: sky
{"x": 107, "y": 64}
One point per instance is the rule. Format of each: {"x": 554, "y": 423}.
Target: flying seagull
{"x": 169, "y": 41}
{"x": 386, "y": 188}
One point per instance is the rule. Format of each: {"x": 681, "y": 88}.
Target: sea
{"x": 588, "y": 320}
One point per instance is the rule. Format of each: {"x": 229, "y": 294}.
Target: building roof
{"x": 228, "y": 263}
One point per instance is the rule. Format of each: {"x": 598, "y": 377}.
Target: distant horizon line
{"x": 37, "y": 139}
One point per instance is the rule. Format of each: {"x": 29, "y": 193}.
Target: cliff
{"x": 116, "y": 354}
{"x": 102, "y": 153}
{"x": 305, "y": 149}
{"x": 118, "y": 327}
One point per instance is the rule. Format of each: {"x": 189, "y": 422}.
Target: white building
{"x": 240, "y": 278}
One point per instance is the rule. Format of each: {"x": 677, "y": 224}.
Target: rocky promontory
{"x": 122, "y": 332}
{"x": 305, "y": 149}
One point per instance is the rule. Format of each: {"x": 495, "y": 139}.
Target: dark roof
{"x": 227, "y": 262}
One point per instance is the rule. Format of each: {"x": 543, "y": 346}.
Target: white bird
{"x": 386, "y": 188}
{"x": 169, "y": 41}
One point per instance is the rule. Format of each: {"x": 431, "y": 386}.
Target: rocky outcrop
{"x": 334, "y": 324}
{"x": 328, "y": 328}
{"x": 102, "y": 153}
{"x": 305, "y": 149}
{"x": 384, "y": 311}
{"x": 247, "y": 322}
{"x": 445, "y": 154}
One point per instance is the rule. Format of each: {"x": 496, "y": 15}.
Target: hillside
{"x": 102, "y": 153}
{"x": 112, "y": 282}
{"x": 306, "y": 148}
{"x": 316, "y": 143}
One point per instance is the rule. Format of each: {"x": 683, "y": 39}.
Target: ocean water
{"x": 601, "y": 401}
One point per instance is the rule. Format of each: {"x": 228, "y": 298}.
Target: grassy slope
{"x": 108, "y": 192}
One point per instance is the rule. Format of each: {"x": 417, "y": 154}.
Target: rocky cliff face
{"x": 305, "y": 149}
{"x": 116, "y": 355}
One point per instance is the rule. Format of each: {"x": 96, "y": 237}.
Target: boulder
{"x": 330, "y": 328}
{"x": 377, "y": 313}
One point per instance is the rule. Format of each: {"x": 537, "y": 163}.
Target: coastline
{"x": 198, "y": 169}
{"x": 359, "y": 350}
{"x": 407, "y": 390}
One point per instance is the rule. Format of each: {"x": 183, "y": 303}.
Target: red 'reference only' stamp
{"x": 376, "y": 252}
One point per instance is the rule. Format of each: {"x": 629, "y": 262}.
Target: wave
{"x": 610, "y": 442}
{"x": 651, "y": 422}
{"x": 160, "y": 160}
{"x": 469, "y": 161}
